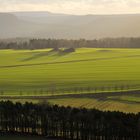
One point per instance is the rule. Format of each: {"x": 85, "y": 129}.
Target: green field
{"x": 45, "y": 72}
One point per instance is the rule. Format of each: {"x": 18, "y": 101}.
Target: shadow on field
{"x": 63, "y": 62}
{"x": 38, "y": 55}
{"x": 98, "y": 96}
{"x": 53, "y": 52}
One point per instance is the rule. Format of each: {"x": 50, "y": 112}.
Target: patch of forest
{"x": 64, "y": 43}
{"x": 68, "y": 123}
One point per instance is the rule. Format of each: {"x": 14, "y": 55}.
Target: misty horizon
{"x": 49, "y": 12}
{"x": 79, "y": 7}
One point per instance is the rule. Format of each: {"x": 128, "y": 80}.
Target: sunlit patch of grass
{"x": 127, "y": 98}
{"x": 87, "y": 70}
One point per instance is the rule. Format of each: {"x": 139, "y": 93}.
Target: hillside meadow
{"x": 49, "y": 73}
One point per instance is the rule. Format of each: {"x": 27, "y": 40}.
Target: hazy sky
{"x": 73, "y": 6}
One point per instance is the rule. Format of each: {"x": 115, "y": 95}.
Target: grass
{"x": 43, "y": 72}
{"x": 85, "y": 69}
{"x": 105, "y": 105}
{"x": 127, "y": 98}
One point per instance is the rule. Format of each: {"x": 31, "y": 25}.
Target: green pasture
{"x": 127, "y": 98}
{"x": 104, "y": 105}
{"x": 45, "y": 72}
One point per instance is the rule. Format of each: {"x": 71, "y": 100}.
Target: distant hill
{"x": 36, "y": 14}
{"x": 8, "y": 22}
{"x": 11, "y": 26}
{"x": 51, "y": 25}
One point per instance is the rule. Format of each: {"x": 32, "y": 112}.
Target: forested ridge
{"x": 67, "y": 123}
{"x": 63, "y": 43}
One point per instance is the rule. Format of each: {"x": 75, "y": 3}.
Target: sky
{"x": 78, "y": 7}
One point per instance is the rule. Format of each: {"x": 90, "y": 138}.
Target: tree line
{"x": 63, "y": 43}
{"x": 52, "y": 89}
{"x": 67, "y": 123}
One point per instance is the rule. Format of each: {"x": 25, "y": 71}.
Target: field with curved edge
{"x": 46, "y": 72}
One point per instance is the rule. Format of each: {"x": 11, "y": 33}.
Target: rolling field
{"x": 46, "y": 72}
{"x": 86, "y": 69}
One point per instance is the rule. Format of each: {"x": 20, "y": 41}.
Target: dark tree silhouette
{"x": 70, "y": 45}
{"x": 68, "y": 123}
